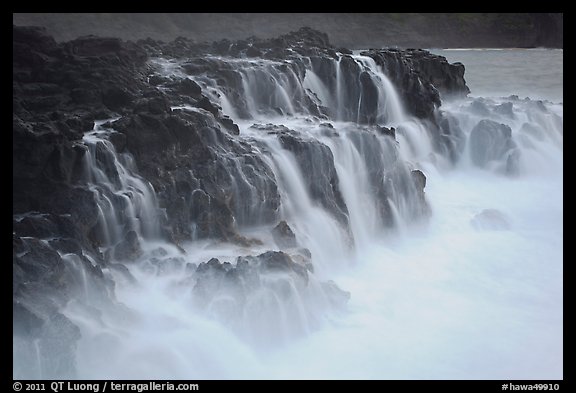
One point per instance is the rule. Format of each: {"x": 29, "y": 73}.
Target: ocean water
{"x": 537, "y": 73}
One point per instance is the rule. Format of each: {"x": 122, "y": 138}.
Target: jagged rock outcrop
{"x": 266, "y": 288}
{"x": 421, "y": 78}
{"x": 490, "y": 141}
{"x": 419, "y": 75}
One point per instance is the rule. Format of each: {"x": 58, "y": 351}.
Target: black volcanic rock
{"x": 447, "y": 78}
{"x": 419, "y": 179}
{"x": 316, "y": 163}
{"x": 278, "y": 261}
{"x": 188, "y": 86}
{"x": 407, "y": 68}
{"x": 110, "y": 48}
{"x": 58, "y": 91}
{"x": 129, "y": 248}
{"x": 391, "y": 132}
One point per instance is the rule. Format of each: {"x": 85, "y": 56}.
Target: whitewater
{"x": 469, "y": 287}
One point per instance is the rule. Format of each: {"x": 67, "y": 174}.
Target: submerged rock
{"x": 337, "y": 297}
{"x": 421, "y": 208}
{"x": 283, "y": 235}
{"x": 419, "y": 179}
{"x": 391, "y": 132}
{"x": 490, "y": 220}
{"x": 489, "y": 141}
{"x": 256, "y": 288}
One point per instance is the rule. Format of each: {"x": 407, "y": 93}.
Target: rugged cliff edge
{"x": 175, "y": 139}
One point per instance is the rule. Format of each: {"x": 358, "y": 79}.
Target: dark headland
{"x": 350, "y": 30}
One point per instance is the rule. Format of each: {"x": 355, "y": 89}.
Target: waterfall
{"x": 126, "y": 202}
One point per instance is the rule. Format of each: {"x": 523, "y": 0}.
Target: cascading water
{"x": 125, "y": 201}
{"x": 446, "y": 284}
